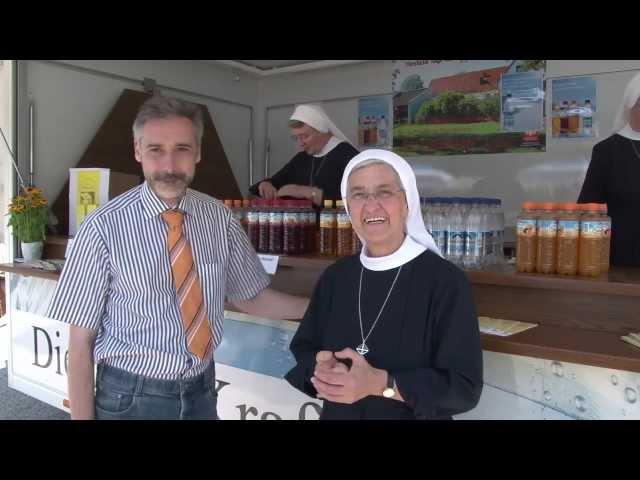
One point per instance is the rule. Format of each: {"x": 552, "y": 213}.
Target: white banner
{"x": 245, "y": 395}
{"x": 39, "y": 354}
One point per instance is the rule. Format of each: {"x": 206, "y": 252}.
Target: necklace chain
{"x": 363, "y": 349}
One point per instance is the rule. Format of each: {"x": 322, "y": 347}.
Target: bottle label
{"x": 605, "y": 228}
{"x": 327, "y": 220}
{"x": 489, "y": 240}
{"x": 587, "y": 122}
{"x": 290, "y": 217}
{"x": 343, "y": 220}
{"x": 310, "y": 218}
{"x": 473, "y": 245}
{"x": 526, "y": 227}
{"x": 252, "y": 217}
{"x": 263, "y": 217}
{"x": 547, "y": 228}
{"x": 275, "y": 217}
{"x": 590, "y": 229}
{"x": 568, "y": 228}
{"x": 456, "y": 243}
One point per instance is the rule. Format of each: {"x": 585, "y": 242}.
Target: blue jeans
{"x": 121, "y": 395}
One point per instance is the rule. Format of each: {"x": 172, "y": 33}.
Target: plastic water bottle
{"x": 456, "y": 245}
{"x": 499, "y": 248}
{"x": 445, "y": 228}
{"x": 473, "y": 234}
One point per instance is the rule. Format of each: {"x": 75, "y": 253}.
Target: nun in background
{"x": 315, "y": 172}
{"x": 613, "y": 177}
{"x": 391, "y": 333}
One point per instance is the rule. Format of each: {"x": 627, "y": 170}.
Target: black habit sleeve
{"x": 307, "y": 340}
{"x": 454, "y": 384}
{"x": 281, "y": 178}
{"x": 594, "y": 186}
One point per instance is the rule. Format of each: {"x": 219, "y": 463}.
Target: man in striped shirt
{"x": 151, "y": 327}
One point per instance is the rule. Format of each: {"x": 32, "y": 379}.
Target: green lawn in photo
{"x": 411, "y": 131}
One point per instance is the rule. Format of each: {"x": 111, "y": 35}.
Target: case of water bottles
{"x": 469, "y": 231}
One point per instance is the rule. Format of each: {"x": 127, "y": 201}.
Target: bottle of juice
{"x": 253, "y": 224}
{"x": 605, "y": 231}
{"x": 567, "y": 238}
{"x": 291, "y": 228}
{"x": 264, "y": 214}
{"x": 276, "y": 227}
{"x": 526, "y": 245}
{"x": 344, "y": 234}
{"x": 246, "y": 204}
{"x": 590, "y": 243}
{"x": 328, "y": 227}
{"x": 547, "y": 248}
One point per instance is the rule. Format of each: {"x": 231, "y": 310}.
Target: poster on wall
{"x": 573, "y": 113}
{"x": 454, "y": 107}
{"x": 374, "y": 121}
{"x": 88, "y": 189}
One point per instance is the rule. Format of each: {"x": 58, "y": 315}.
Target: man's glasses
{"x": 383, "y": 195}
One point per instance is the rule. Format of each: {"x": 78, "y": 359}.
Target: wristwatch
{"x": 390, "y": 390}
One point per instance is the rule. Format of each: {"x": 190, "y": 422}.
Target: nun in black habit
{"x": 390, "y": 333}
{"x": 613, "y": 177}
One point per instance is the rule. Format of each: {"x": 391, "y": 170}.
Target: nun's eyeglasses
{"x": 382, "y": 195}
{"x": 303, "y": 137}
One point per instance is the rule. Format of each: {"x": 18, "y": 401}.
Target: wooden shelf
{"x": 28, "y": 271}
{"x": 596, "y": 348}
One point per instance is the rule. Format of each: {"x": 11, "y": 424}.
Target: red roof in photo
{"x": 469, "y": 82}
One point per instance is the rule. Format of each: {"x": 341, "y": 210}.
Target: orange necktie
{"x": 189, "y": 292}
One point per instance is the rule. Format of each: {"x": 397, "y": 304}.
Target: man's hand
{"x": 342, "y": 385}
{"x": 267, "y": 190}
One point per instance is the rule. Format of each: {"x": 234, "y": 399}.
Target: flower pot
{"x": 31, "y": 250}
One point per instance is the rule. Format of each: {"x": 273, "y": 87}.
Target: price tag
{"x": 269, "y": 262}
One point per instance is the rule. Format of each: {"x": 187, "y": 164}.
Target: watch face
{"x": 388, "y": 392}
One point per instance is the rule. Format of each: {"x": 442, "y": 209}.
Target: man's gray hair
{"x": 166, "y": 107}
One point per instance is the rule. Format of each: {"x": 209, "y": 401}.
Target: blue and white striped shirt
{"x": 117, "y": 280}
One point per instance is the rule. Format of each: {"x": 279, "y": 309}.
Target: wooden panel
{"x": 112, "y": 147}
{"x": 609, "y": 313}
{"x": 568, "y": 345}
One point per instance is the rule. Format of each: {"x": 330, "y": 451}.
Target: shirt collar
{"x": 153, "y": 206}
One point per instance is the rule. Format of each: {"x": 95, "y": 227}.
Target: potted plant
{"x": 28, "y": 215}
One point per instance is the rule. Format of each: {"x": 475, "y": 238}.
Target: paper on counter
{"x": 632, "y": 338}
{"x": 269, "y": 262}
{"x": 502, "y": 327}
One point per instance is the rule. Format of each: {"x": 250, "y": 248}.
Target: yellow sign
{"x": 88, "y": 194}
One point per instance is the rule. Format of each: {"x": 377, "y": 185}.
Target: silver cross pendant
{"x": 362, "y": 349}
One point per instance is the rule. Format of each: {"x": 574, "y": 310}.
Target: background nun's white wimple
{"x": 415, "y": 228}
{"x": 315, "y": 116}
{"x": 631, "y": 95}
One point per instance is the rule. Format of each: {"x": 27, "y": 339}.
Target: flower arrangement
{"x": 28, "y": 215}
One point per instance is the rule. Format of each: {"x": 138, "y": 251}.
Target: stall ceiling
{"x": 274, "y": 67}
{"x": 271, "y": 64}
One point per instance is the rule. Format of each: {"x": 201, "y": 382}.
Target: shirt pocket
{"x": 213, "y": 280}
